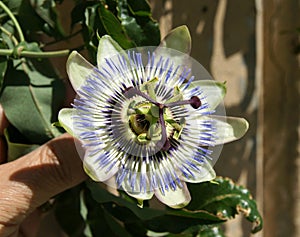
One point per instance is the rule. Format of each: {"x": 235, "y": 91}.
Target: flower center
{"x": 151, "y": 120}
{"x": 145, "y": 122}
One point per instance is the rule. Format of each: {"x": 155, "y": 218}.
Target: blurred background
{"x": 254, "y": 47}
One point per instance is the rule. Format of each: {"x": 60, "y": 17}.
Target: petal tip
{"x": 65, "y": 119}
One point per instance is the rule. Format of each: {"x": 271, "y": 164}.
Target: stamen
{"x": 164, "y": 137}
{"x": 195, "y": 102}
{"x": 131, "y": 91}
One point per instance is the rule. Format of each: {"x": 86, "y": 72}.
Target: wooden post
{"x": 280, "y": 118}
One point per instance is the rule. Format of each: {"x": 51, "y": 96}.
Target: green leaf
{"x": 158, "y": 220}
{"x": 114, "y": 28}
{"x": 90, "y": 14}
{"x": 40, "y": 15}
{"x": 13, "y": 5}
{"x": 212, "y": 203}
{"x": 136, "y": 20}
{"x": 78, "y": 12}
{"x": 152, "y": 33}
{"x": 100, "y": 221}
{"x": 200, "y": 230}
{"x": 181, "y": 220}
{"x": 225, "y": 199}
{"x": 102, "y": 196}
{"x": 139, "y": 8}
{"x": 3, "y": 63}
{"x": 6, "y": 39}
{"x": 31, "y": 98}
{"x": 16, "y": 149}
{"x": 67, "y": 211}
{"x": 131, "y": 27}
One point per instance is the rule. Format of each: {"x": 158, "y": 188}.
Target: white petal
{"x": 206, "y": 173}
{"x": 229, "y": 129}
{"x": 213, "y": 91}
{"x": 78, "y": 69}
{"x": 91, "y": 167}
{"x": 107, "y": 47}
{"x": 140, "y": 196}
{"x": 178, "y": 39}
{"x": 90, "y": 172}
{"x": 66, "y": 121}
{"x": 175, "y": 199}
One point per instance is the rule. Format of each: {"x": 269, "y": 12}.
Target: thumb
{"x": 31, "y": 180}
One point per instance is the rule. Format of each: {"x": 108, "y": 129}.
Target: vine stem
{"x": 31, "y": 54}
{"x": 10, "y": 35}
{"x": 14, "y": 20}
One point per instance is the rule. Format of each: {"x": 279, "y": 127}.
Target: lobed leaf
{"x": 225, "y": 199}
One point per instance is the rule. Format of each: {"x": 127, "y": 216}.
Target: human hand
{"x": 31, "y": 180}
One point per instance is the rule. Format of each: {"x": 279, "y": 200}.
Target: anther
{"x": 195, "y": 102}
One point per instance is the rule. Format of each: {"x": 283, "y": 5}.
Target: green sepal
{"x": 178, "y": 39}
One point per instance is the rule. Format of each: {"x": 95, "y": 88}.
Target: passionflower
{"x": 149, "y": 118}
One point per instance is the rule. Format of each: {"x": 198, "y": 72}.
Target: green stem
{"x": 10, "y": 35}
{"x": 14, "y": 20}
{"x": 30, "y": 54}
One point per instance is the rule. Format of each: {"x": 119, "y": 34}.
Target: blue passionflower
{"x": 146, "y": 119}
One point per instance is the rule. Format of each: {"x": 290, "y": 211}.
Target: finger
{"x": 32, "y": 179}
